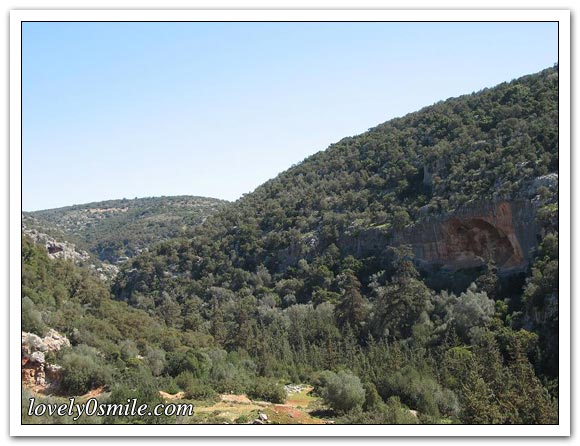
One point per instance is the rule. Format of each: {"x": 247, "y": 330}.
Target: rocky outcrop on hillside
{"x": 37, "y": 373}
{"x": 56, "y": 249}
{"x": 549, "y": 182}
{"x": 53, "y": 341}
{"x": 503, "y": 233}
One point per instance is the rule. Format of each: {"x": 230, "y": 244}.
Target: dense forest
{"x": 313, "y": 278}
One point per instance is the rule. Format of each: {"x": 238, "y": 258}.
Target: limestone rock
{"x": 550, "y": 181}
{"x": 38, "y": 357}
{"x": 54, "y": 341}
{"x": 500, "y": 232}
{"x": 36, "y": 372}
{"x": 32, "y": 343}
{"x": 56, "y": 249}
{"x": 68, "y": 251}
{"x": 294, "y": 388}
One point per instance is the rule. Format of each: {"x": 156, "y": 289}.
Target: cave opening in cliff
{"x": 476, "y": 242}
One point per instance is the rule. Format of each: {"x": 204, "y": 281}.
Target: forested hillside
{"x": 409, "y": 274}
{"x": 115, "y": 230}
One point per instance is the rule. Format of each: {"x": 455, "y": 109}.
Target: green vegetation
{"x": 117, "y": 229}
{"x": 343, "y": 391}
{"x": 289, "y": 284}
{"x": 83, "y": 370}
{"x": 267, "y": 390}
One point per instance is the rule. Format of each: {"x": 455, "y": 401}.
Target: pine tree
{"x": 218, "y": 327}
{"x": 531, "y": 401}
{"x": 351, "y": 310}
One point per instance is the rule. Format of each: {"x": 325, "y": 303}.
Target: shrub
{"x": 137, "y": 383}
{"x": 320, "y": 380}
{"x": 343, "y": 391}
{"x": 145, "y": 393}
{"x": 191, "y": 361}
{"x": 31, "y": 317}
{"x": 128, "y": 349}
{"x": 155, "y": 360}
{"x": 184, "y": 380}
{"x": 373, "y": 400}
{"x": 168, "y": 385}
{"x": 267, "y": 390}
{"x": 397, "y": 414}
{"x": 83, "y": 370}
{"x": 471, "y": 309}
{"x": 419, "y": 391}
{"x": 391, "y": 412}
{"x": 230, "y": 374}
{"x": 199, "y": 390}
{"x": 193, "y": 387}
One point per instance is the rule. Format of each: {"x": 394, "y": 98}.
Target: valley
{"x": 406, "y": 275}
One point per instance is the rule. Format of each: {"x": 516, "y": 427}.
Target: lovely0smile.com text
{"x": 92, "y": 407}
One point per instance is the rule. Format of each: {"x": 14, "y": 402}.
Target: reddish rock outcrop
{"x": 503, "y": 233}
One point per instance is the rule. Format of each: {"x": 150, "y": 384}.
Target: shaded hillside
{"x": 115, "y": 230}
{"x": 421, "y": 255}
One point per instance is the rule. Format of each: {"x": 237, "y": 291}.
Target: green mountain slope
{"x": 115, "y": 230}
{"x": 357, "y": 197}
{"x": 347, "y": 260}
{"x": 409, "y": 274}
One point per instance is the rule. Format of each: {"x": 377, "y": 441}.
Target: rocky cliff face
{"x": 504, "y": 233}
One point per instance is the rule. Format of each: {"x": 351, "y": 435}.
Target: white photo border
{"x": 560, "y": 16}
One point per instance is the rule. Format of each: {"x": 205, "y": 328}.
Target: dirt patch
{"x": 231, "y": 411}
{"x": 288, "y": 410}
{"x": 239, "y": 399}
{"x": 169, "y": 396}
{"x": 300, "y": 399}
{"x": 231, "y": 407}
{"x": 284, "y": 414}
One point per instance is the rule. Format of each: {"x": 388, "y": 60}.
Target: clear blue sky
{"x": 113, "y": 110}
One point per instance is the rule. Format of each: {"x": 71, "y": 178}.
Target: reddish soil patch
{"x": 288, "y": 410}
{"x": 291, "y": 415}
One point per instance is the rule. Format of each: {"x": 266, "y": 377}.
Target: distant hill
{"x": 116, "y": 230}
